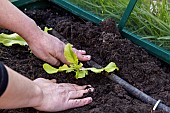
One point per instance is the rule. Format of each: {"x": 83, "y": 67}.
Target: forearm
{"x": 20, "y": 92}
{"x": 13, "y": 19}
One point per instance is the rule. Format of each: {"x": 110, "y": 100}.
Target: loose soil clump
{"x": 105, "y": 44}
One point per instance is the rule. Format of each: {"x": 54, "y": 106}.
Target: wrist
{"x": 36, "y": 100}
{"x": 32, "y": 32}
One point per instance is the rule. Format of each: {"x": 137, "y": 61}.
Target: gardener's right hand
{"x": 61, "y": 96}
{"x": 51, "y": 49}
{"x": 43, "y": 45}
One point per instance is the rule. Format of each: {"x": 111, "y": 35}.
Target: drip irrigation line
{"x": 128, "y": 87}
{"x": 132, "y": 90}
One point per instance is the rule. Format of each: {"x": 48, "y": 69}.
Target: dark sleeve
{"x": 3, "y": 78}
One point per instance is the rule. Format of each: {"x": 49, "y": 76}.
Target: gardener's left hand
{"x": 61, "y": 96}
{"x": 51, "y": 49}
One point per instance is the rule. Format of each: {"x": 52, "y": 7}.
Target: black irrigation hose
{"x": 131, "y": 89}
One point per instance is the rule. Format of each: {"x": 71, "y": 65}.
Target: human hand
{"x": 51, "y": 49}
{"x": 61, "y": 96}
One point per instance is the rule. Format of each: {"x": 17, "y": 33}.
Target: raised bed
{"x": 137, "y": 67}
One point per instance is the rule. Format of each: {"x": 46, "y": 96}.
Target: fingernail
{"x": 88, "y": 86}
{"x": 88, "y": 56}
{"x": 83, "y": 51}
{"x": 90, "y": 99}
{"x": 90, "y": 90}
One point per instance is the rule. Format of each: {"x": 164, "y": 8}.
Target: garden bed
{"x": 105, "y": 44}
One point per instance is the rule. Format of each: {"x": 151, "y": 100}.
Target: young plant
{"x": 10, "y": 39}
{"x": 77, "y": 66}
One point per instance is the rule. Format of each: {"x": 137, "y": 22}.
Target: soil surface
{"x": 105, "y": 44}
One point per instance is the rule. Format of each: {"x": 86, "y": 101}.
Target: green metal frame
{"x": 78, "y": 11}
{"x": 31, "y": 4}
{"x": 126, "y": 14}
{"x": 152, "y": 48}
{"x": 149, "y": 46}
{"x": 20, "y": 3}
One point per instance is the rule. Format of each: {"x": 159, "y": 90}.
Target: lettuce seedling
{"x": 46, "y": 29}
{"x": 77, "y": 66}
{"x": 10, "y": 39}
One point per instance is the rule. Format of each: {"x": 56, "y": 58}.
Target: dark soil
{"x": 105, "y": 44}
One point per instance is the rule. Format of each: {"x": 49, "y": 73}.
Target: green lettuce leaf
{"x": 46, "y": 29}
{"x": 95, "y": 70}
{"x": 49, "y": 69}
{"x": 9, "y": 40}
{"x": 70, "y": 55}
{"x": 111, "y": 67}
{"x": 81, "y": 74}
{"x": 65, "y": 68}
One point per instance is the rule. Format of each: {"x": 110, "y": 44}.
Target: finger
{"x": 77, "y": 87}
{"x": 54, "y": 80}
{"x": 63, "y": 59}
{"x": 77, "y": 94}
{"x": 80, "y": 51}
{"x": 42, "y": 81}
{"x": 53, "y": 61}
{"x": 81, "y": 55}
{"x": 90, "y": 90}
{"x": 79, "y": 102}
{"x": 74, "y": 87}
{"x": 48, "y": 81}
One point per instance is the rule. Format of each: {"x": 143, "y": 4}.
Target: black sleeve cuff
{"x": 3, "y": 79}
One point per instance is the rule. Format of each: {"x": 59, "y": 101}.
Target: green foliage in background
{"x": 150, "y": 19}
